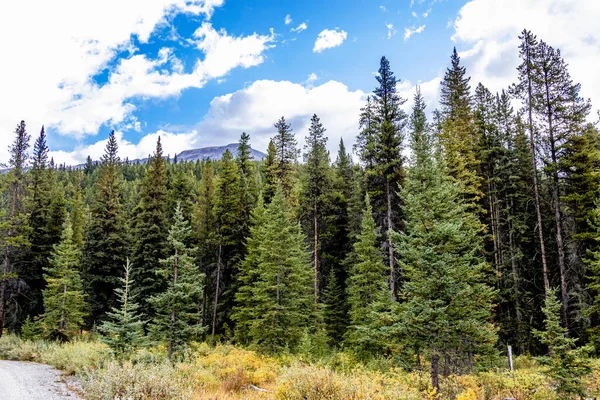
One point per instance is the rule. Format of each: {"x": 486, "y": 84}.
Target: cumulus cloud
{"x": 288, "y": 19}
{"x": 329, "y": 38}
{"x": 54, "y": 59}
{"x": 254, "y": 110}
{"x": 300, "y": 28}
{"x": 408, "y": 32}
{"x": 489, "y": 31}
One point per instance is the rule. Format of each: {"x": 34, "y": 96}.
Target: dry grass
{"x": 230, "y": 373}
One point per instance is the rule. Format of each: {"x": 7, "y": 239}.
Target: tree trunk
{"x": 390, "y": 227}
{"x": 214, "y": 319}
{"x": 536, "y": 189}
{"x": 435, "y": 380}
{"x": 557, "y": 214}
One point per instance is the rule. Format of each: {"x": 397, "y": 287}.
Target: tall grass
{"x": 228, "y": 372}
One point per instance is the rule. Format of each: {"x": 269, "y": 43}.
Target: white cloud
{"x": 254, "y": 110}
{"x": 391, "y": 30}
{"x": 328, "y": 39}
{"x": 382, "y": 8}
{"x": 288, "y": 19}
{"x": 426, "y": 13}
{"x": 408, "y": 32}
{"x": 172, "y": 143}
{"x": 414, "y": 14}
{"x": 54, "y": 58}
{"x": 311, "y": 78}
{"x": 489, "y": 29}
{"x": 299, "y": 28}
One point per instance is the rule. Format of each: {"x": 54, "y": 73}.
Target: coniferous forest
{"x": 435, "y": 243}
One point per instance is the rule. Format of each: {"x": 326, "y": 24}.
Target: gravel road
{"x": 31, "y": 381}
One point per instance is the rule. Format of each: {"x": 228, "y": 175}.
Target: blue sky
{"x": 198, "y": 72}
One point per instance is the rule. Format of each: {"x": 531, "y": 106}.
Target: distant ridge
{"x": 215, "y": 153}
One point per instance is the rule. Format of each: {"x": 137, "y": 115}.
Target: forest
{"x": 436, "y": 246}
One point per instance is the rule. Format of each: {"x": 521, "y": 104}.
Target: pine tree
{"x": 567, "y": 366}
{"x": 316, "y": 193}
{"x": 64, "y": 300}
{"x": 447, "y": 307}
{"x": 286, "y": 153}
{"x": 181, "y": 190}
{"x": 275, "y": 281}
{"x": 124, "y": 330}
{"x": 227, "y": 217}
{"x": 150, "y": 232}
{"x": 105, "y": 248}
{"x": 524, "y": 90}
{"x": 178, "y": 320}
{"x": 13, "y": 224}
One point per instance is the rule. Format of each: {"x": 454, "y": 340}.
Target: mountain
{"x": 214, "y": 153}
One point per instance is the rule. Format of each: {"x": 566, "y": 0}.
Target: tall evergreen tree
{"x": 380, "y": 147}
{"x": 459, "y": 137}
{"x": 106, "y": 244}
{"x": 275, "y": 281}
{"x": 270, "y": 171}
{"x": 366, "y": 287}
{"x": 124, "y": 329}
{"x": 150, "y": 232}
{"x": 178, "y": 320}
{"x": 447, "y": 305}
{"x": 524, "y": 90}
{"x": 316, "y": 188}
{"x": 286, "y": 152}
{"x": 13, "y": 224}
{"x": 64, "y": 300}
{"x": 227, "y": 217}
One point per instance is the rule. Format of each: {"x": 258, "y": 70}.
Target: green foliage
{"x": 368, "y": 293}
{"x": 64, "y": 300}
{"x": 106, "y": 240}
{"x": 178, "y": 320}
{"x": 447, "y": 305}
{"x": 150, "y": 232}
{"x": 274, "y": 294}
{"x": 123, "y": 331}
{"x": 286, "y": 152}
{"x": 566, "y": 365}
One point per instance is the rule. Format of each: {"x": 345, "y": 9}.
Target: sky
{"x": 200, "y": 72}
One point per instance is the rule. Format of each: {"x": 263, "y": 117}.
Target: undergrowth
{"x": 227, "y": 372}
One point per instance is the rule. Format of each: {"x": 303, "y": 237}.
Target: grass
{"x": 227, "y": 372}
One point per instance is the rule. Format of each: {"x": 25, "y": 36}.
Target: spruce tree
{"x": 335, "y": 316}
{"x": 275, "y": 281}
{"x": 286, "y": 152}
{"x": 316, "y": 194}
{"x": 178, "y": 320}
{"x": 228, "y": 237}
{"x": 447, "y": 303}
{"x": 566, "y": 366}
{"x": 380, "y": 147}
{"x": 124, "y": 329}
{"x": 367, "y": 288}
{"x": 106, "y": 242}
{"x": 150, "y": 232}
{"x": 64, "y": 300}
{"x": 14, "y": 229}
{"x": 459, "y": 137}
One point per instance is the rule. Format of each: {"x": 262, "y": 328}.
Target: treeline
{"x": 447, "y": 255}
